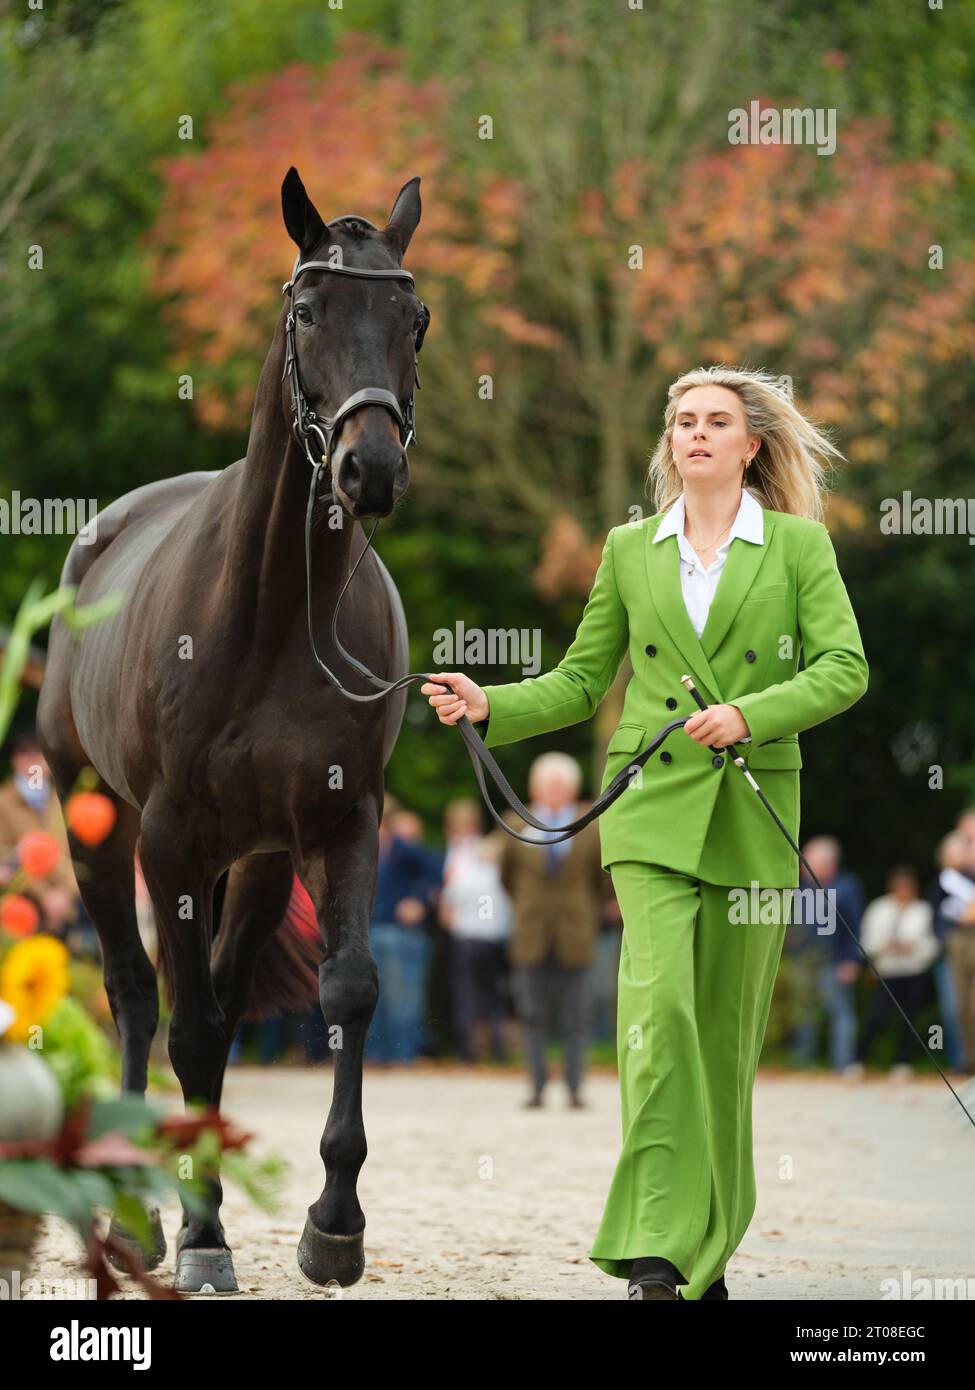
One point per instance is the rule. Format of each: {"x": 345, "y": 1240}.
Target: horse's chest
{"x": 278, "y": 772}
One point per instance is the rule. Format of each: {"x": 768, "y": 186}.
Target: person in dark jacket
{"x": 826, "y": 960}
{"x": 408, "y": 880}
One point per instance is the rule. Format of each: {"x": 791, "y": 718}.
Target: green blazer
{"x": 688, "y": 809}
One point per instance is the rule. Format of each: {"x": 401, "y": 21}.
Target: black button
{"x": 717, "y": 760}
{"x": 651, "y": 650}
{"x": 665, "y": 757}
{"x": 749, "y": 656}
{"x": 671, "y": 702}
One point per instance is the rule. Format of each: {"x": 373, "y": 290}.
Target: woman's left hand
{"x": 718, "y": 725}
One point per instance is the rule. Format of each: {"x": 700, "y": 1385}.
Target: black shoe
{"x": 653, "y": 1278}
{"x": 714, "y": 1293}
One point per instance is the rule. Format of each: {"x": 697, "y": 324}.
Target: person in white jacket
{"x": 897, "y": 933}
{"x": 476, "y": 911}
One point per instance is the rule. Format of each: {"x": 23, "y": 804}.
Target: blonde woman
{"x": 729, "y": 581}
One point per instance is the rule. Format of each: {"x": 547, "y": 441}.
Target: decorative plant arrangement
{"x": 69, "y": 1146}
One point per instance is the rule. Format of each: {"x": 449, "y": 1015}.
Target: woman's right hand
{"x": 463, "y": 697}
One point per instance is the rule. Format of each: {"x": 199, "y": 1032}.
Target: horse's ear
{"x": 404, "y": 217}
{"x": 305, "y": 226}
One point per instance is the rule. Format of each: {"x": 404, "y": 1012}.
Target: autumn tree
{"x": 597, "y": 242}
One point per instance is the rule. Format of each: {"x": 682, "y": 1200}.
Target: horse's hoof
{"x": 328, "y": 1259}
{"x": 151, "y": 1258}
{"x": 205, "y": 1271}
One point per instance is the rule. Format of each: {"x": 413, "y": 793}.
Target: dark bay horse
{"x": 220, "y": 741}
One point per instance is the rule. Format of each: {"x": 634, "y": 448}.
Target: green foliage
{"x": 199, "y": 50}
{"x": 78, "y": 1052}
{"x": 912, "y": 64}
{"x": 134, "y": 1166}
{"x": 35, "y": 1184}
{"x": 35, "y": 612}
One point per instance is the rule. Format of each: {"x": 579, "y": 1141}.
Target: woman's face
{"x": 710, "y": 437}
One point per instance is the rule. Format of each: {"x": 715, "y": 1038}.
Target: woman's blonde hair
{"x": 788, "y": 472}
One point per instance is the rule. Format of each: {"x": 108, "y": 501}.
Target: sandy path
{"x": 469, "y": 1196}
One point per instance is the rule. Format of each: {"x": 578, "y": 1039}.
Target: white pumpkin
{"x": 31, "y": 1106}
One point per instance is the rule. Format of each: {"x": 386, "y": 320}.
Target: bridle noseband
{"x": 305, "y": 422}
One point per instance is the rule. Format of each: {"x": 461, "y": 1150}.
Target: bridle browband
{"x": 305, "y": 422}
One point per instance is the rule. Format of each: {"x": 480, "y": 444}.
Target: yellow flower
{"x": 33, "y": 981}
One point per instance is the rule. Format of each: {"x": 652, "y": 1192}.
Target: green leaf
{"x": 194, "y": 1196}
{"x": 130, "y": 1213}
{"x": 77, "y": 1051}
{"x": 262, "y": 1180}
{"x": 35, "y": 1184}
{"x": 94, "y": 1186}
{"x": 129, "y": 1115}
{"x": 79, "y": 618}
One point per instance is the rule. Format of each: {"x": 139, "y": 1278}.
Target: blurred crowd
{"x": 491, "y": 946}
{"x": 920, "y": 938}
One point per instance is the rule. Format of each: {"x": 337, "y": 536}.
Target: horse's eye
{"x": 303, "y": 314}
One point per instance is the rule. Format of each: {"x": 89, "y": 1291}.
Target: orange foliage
{"x": 568, "y": 561}
{"x": 356, "y": 131}
{"x": 763, "y": 255}
{"x": 819, "y": 265}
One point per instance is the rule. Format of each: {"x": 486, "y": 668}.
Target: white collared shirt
{"x": 472, "y": 879}
{"x": 698, "y": 584}
{"x": 563, "y": 815}
{"x": 887, "y": 921}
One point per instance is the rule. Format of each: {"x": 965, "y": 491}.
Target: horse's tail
{"x": 285, "y": 977}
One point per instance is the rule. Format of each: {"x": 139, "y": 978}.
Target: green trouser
{"x": 697, "y": 969}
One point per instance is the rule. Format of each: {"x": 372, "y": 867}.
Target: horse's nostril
{"x": 350, "y": 476}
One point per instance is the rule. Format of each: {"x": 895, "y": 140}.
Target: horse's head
{"x": 353, "y": 341}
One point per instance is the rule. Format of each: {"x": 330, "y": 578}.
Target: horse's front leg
{"x": 341, "y": 883}
{"x": 181, "y": 886}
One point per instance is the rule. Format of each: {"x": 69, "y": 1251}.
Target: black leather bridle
{"x": 305, "y": 423}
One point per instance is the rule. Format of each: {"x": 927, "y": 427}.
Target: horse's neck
{"x": 267, "y": 552}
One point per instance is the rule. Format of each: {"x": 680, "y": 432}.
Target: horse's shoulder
{"x": 146, "y": 503}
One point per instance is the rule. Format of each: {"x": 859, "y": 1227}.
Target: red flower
{"x": 112, "y": 1150}
{"x": 38, "y": 853}
{"x": 181, "y": 1130}
{"x": 91, "y": 816}
{"x": 18, "y": 915}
